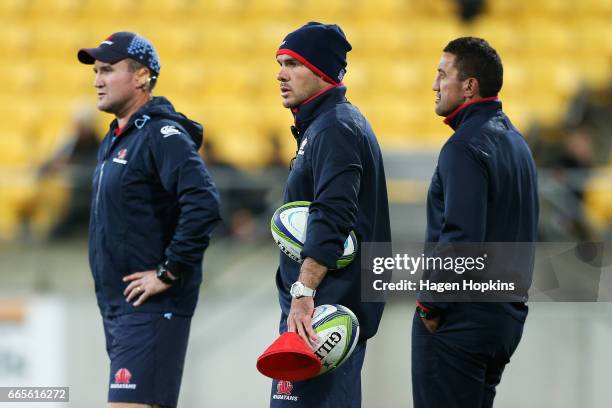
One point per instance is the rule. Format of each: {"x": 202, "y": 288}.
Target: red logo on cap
{"x": 123, "y": 376}
{"x": 284, "y": 387}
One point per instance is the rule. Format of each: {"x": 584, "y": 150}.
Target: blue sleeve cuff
{"x": 178, "y": 268}
{"x": 325, "y": 258}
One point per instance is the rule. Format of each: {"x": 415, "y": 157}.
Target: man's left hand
{"x": 432, "y": 324}
{"x": 144, "y": 285}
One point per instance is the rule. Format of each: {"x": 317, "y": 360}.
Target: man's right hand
{"x": 300, "y": 319}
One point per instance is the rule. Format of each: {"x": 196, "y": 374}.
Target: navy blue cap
{"x": 321, "y": 47}
{"x": 120, "y": 46}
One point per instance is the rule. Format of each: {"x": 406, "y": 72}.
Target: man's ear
{"x": 471, "y": 88}
{"x": 143, "y": 76}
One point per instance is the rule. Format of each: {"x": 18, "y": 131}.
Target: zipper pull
{"x": 296, "y": 133}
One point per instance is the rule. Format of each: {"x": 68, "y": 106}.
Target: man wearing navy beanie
{"x": 320, "y": 47}
{"x": 338, "y": 167}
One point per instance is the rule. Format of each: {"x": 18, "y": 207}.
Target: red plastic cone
{"x": 289, "y": 358}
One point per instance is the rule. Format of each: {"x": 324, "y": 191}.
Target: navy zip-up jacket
{"x": 153, "y": 200}
{"x": 484, "y": 188}
{"x": 339, "y": 168}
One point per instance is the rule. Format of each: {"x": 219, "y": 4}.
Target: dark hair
{"x": 134, "y": 66}
{"x": 475, "y": 58}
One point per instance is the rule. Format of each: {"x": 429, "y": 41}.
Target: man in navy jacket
{"x": 154, "y": 209}
{"x": 484, "y": 189}
{"x": 338, "y": 167}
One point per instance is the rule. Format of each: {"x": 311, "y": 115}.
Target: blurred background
{"x": 218, "y": 67}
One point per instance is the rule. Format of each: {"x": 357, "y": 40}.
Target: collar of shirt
{"x": 459, "y": 115}
{"x": 320, "y": 102}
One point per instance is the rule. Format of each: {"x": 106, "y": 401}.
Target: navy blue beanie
{"x": 321, "y": 47}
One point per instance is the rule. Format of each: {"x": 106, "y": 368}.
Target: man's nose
{"x": 282, "y": 74}
{"x": 435, "y": 86}
{"x": 98, "y": 81}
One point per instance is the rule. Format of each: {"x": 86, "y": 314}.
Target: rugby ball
{"x": 288, "y": 225}
{"x": 338, "y": 331}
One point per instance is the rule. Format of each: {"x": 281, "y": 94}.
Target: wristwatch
{"x": 298, "y": 290}
{"x": 162, "y": 274}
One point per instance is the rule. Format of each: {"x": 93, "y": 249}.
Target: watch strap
{"x": 308, "y": 291}
{"x": 162, "y": 274}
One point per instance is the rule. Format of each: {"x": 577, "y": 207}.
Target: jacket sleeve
{"x": 465, "y": 182}
{"x": 183, "y": 174}
{"x": 337, "y": 169}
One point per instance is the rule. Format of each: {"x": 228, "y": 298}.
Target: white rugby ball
{"x": 338, "y": 331}
{"x": 288, "y": 225}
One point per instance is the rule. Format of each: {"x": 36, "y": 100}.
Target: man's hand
{"x": 144, "y": 285}
{"x": 300, "y": 319}
{"x": 300, "y": 315}
{"x": 432, "y": 324}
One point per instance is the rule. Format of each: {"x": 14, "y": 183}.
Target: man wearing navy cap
{"x": 154, "y": 209}
{"x": 338, "y": 167}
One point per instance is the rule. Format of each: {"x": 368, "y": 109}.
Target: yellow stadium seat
{"x": 166, "y": 9}
{"x": 542, "y": 36}
{"x": 512, "y": 10}
{"x": 16, "y": 192}
{"x": 593, "y": 70}
{"x": 13, "y": 8}
{"x": 16, "y": 150}
{"x": 16, "y": 42}
{"x": 54, "y": 191}
{"x": 264, "y": 10}
{"x": 593, "y": 8}
{"x": 218, "y": 58}
{"x": 387, "y": 8}
{"x": 216, "y": 9}
{"x": 94, "y": 10}
{"x": 598, "y": 199}
{"x": 54, "y": 9}
{"x": 324, "y": 10}
{"x": 503, "y": 37}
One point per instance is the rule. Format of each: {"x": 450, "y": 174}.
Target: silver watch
{"x": 298, "y": 290}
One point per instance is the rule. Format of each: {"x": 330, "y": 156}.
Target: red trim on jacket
{"x": 465, "y": 105}
{"x": 419, "y": 304}
{"x": 296, "y": 109}
{"x": 322, "y": 91}
{"x": 304, "y": 61}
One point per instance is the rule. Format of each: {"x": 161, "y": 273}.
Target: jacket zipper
{"x": 296, "y": 134}
{"x": 106, "y": 154}
{"x": 99, "y": 185}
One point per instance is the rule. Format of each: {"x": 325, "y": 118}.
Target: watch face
{"x": 297, "y": 289}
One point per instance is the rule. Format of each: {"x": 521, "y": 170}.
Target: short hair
{"x": 134, "y": 66}
{"x": 475, "y": 58}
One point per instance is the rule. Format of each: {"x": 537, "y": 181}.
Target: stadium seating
{"x": 218, "y": 63}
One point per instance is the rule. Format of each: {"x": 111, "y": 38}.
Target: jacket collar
{"x": 320, "y": 102}
{"x": 140, "y": 117}
{"x": 459, "y": 115}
